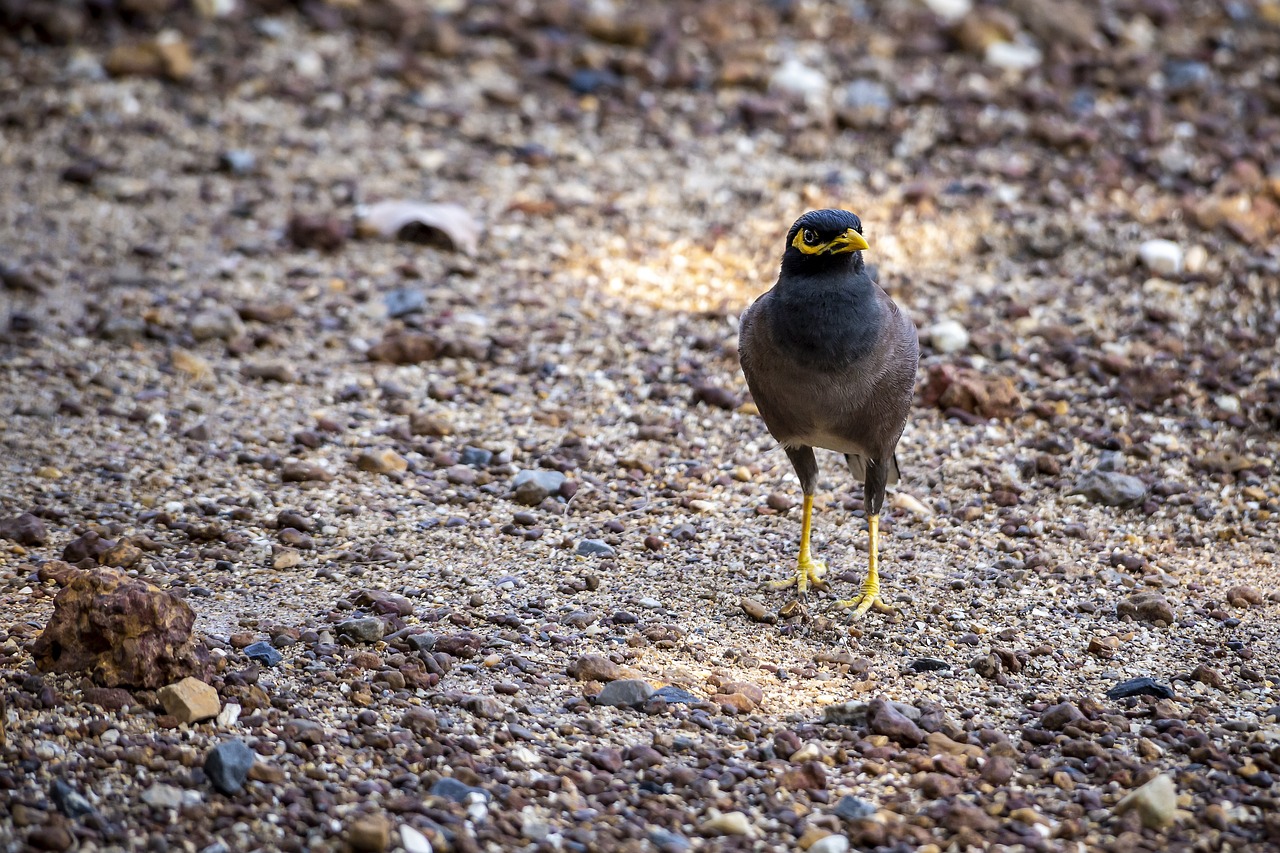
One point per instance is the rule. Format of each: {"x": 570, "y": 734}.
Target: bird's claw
{"x": 808, "y": 574}
{"x": 863, "y": 603}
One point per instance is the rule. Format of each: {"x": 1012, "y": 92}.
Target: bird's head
{"x": 823, "y": 238}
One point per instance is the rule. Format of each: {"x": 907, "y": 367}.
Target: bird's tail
{"x": 858, "y": 467}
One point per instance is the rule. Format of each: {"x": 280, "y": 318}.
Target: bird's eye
{"x": 809, "y": 236}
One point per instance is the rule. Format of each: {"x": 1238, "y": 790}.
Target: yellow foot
{"x": 808, "y": 573}
{"x": 865, "y": 602}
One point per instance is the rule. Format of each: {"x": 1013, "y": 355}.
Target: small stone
{"x": 414, "y": 841}
{"x": 237, "y": 161}
{"x": 189, "y": 700}
{"x": 884, "y": 719}
{"x": 673, "y": 695}
{"x": 950, "y": 10}
{"x": 404, "y": 301}
{"x": 1111, "y": 488}
{"x": 1245, "y": 596}
{"x": 756, "y": 610}
{"x": 69, "y": 801}
{"x": 1059, "y": 716}
{"x": 162, "y": 796}
{"x": 228, "y": 716}
{"x": 864, "y": 103}
{"x": 303, "y": 472}
{"x": 385, "y": 461}
{"x": 367, "y": 629}
{"x": 850, "y": 807}
{"x": 1147, "y": 606}
{"x": 596, "y": 668}
{"x": 988, "y": 666}
{"x": 451, "y": 789}
{"x": 726, "y": 823}
{"x": 594, "y": 547}
{"x": 716, "y": 396}
{"x": 50, "y": 838}
{"x": 800, "y": 82}
{"x": 625, "y": 693}
{"x": 285, "y": 558}
{"x": 369, "y": 834}
{"x": 228, "y": 764}
{"x": 998, "y": 770}
{"x": 25, "y": 529}
{"x": 929, "y": 665}
{"x": 1162, "y": 257}
{"x": 1013, "y": 56}
{"x": 830, "y": 844}
{"x": 1208, "y": 675}
{"x": 263, "y": 653}
{"x": 532, "y": 487}
{"x": 947, "y": 337}
{"x": 1156, "y": 802}
{"x": 429, "y": 423}
{"x": 221, "y": 324}
{"x": 1143, "y": 686}
{"x": 733, "y": 703}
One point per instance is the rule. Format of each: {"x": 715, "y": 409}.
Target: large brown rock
{"x": 969, "y": 390}
{"x": 122, "y": 631}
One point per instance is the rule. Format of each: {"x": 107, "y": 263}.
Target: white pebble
{"x": 798, "y": 80}
{"x": 830, "y": 844}
{"x": 1228, "y": 403}
{"x": 948, "y": 336}
{"x": 950, "y": 10}
{"x": 228, "y": 716}
{"x": 727, "y": 823}
{"x": 1013, "y": 56}
{"x": 413, "y": 840}
{"x": 1162, "y": 257}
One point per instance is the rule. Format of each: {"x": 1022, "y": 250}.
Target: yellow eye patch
{"x": 800, "y": 244}
{"x": 849, "y": 241}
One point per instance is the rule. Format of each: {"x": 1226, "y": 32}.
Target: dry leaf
{"x": 413, "y": 220}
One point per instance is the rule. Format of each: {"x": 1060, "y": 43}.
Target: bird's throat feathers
{"x": 831, "y": 319}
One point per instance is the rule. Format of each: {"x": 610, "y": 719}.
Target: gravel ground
{"x": 299, "y": 425}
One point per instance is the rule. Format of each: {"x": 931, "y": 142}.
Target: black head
{"x": 824, "y": 238}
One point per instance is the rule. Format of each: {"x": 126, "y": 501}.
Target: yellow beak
{"x": 849, "y": 241}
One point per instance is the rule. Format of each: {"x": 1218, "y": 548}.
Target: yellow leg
{"x": 869, "y": 594}
{"x": 809, "y": 571}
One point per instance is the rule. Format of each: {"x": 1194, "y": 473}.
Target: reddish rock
{"x": 25, "y": 529}
{"x": 884, "y": 719}
{"x": 971, "y": 391}
{"x": 405, "y": 348}
{"x": 596, "y": 668}
{"x": 122, "y": 631}
{"x": 384, "y": 603}
{"x": 810, "y": 776}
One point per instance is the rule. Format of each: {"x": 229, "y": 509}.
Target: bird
{"x": 831, "y": 361}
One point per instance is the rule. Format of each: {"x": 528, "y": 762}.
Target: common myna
{"x": 831, "y": 362}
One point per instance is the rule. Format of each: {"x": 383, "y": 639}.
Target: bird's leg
{"x": 809, "y": 571}
{"x": 869, "y": 593}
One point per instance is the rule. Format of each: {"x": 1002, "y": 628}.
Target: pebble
{"x": 189, "y": 700}
{"x": 796, "y": 80}
{"x": 1110, "y": 488}
{"x": 222, "y": 324}
{"x": 229, "y": 715}
{"x": 850, "y": 807}
{"x": 673, "y": 695}
{"x": 404, "y": 301}
{"x": 756, "y": 610}
{"x": 1147, "y": 606}
{"x": 830, "y": 844}
{"x": 25, "y": 529}
{"x": 594, "y": 547}
{"x": 625, "y": 693}
{"x": 414, "y": 841}
{"x": 237, "y": 161}
{"x": 885, "y": 719}
{"x": 1013, "y": 56}
{"x": 162, "y": 796}
{"x": 1142, "y": 686}
{"x": 69, "y": 801}
{"x": 1059, "y": 716}
{"x": 367, "y": 629}
{"x": 369, "y": 834}
{"x": 1156, "y": 802}
{"x": 726, "y": 823}
{"x": 532, "y": 487}
{"x": 929, "y": 665}
{"x": 1162, "y": 257}
{"x": 385, "y": 461}
{"x": 451, "y": 789}
{"x": 264, "y": 653}
{"x": 864, "y": 103}
{"x": 950, "y": 10}
{"x": 596, "y": 668}
{"x": 1245, "y": 596}
{"x": 948, "y": 336}
{"x": 227, "y": 765}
